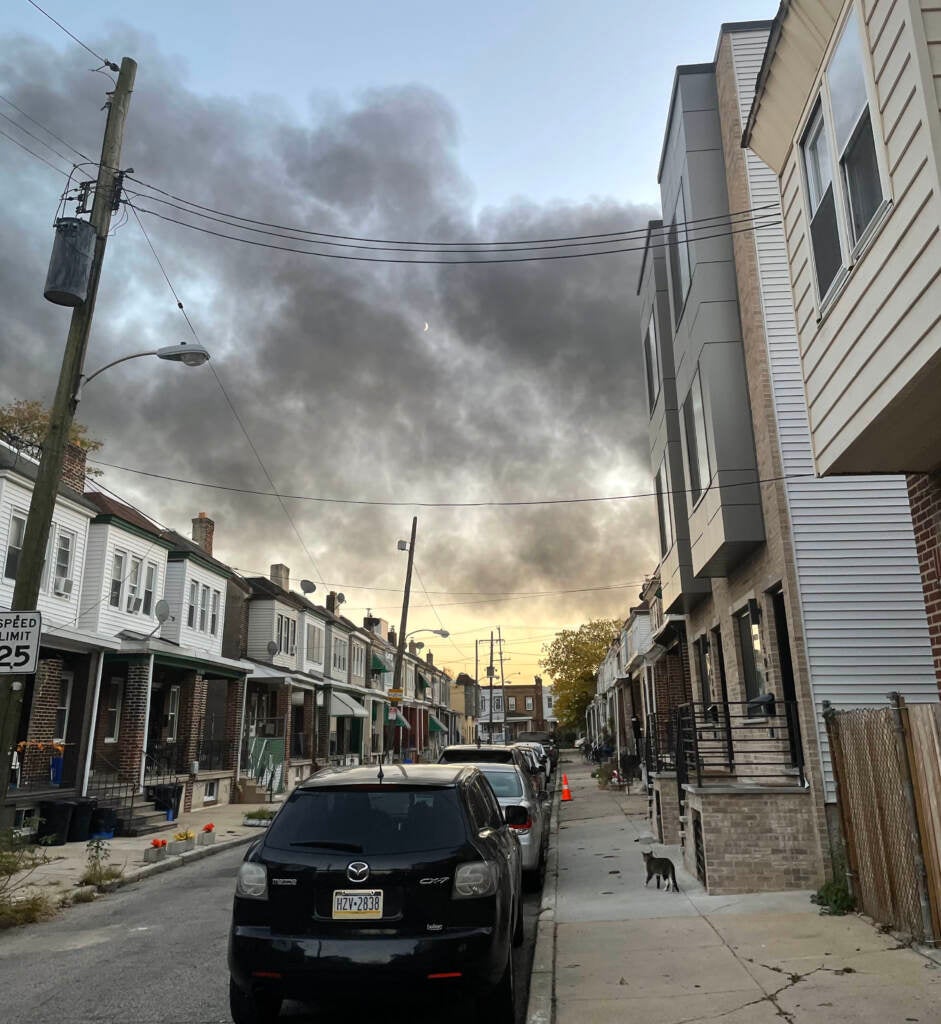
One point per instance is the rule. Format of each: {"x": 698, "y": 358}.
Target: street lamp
{"x": 437, "y": 632}
{"x": 188, "y": 355}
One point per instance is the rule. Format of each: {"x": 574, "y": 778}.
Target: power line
{"x": 106, "y": 63}
{"x": 440, "y": 262}
{"x": 31, "y": 152}
{"x": 48, "y": 131}
{"x": 442, "y": 504}
{"x": 42, "y": 142}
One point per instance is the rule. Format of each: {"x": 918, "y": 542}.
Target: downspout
{"x": 143, "y": 753}
{"x": 94, "y": 722}
{"x": 241, "y": 730}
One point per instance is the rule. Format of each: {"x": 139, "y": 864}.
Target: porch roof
{"x": 264, "y": 671}
{"x": 343, "y": 706}
{"x": 166, "y": 653}
{"x": 76, "y": 640}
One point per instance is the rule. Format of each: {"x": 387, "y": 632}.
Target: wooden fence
{"x": 887, "y": 763}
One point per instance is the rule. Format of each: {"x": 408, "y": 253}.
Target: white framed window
{"x": 14, "y": 544}
{"x": 62, "y": 707}
{"x": 118, "y": 569}
{"x": 150, "y": 583}
{"x": 113, "y": 701}
{"x": 359, "y": 660}
{"x": 211, "y": 791}
{"x": 652, "y": 362}
{"x": 192, "y": 602}
{"x": 314, "y": 642}
{"x": 134, "y": 600}
{"x": 62, "y": 575}
{"x": 340, "y": 653}
{"x": 529, "y": 703}
{"x": 694, "y": 440}
{"x": 549, "y": 702}
{"x": 172, "y": 718}
{"x": 843, "y": 181}
{"x": 203, "y": 608}
{"x": 286, "y": 634}
{"x": 214, "y": 612}
{"x": 664, "y": 506}
{"x": 681, "y": 272}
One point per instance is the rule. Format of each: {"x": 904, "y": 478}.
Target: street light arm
{"x": 91, "y": 376}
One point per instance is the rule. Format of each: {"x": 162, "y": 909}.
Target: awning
{"x": 342, "y": 706}
{"x": 379, "y": 664}
{"x": 395, "y": 718}
{"x": 435, "y": 724}
{"x": 422, "y": 681}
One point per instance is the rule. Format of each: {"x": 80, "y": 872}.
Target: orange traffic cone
{"x": 566, "y": 792}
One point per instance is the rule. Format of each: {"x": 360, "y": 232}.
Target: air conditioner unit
{"x": 62, "y": 587}
{"x": 133, "y": 604}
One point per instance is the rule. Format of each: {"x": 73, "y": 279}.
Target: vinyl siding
{"x": 857, "y": 570}
{"x": 179, "y": 575}
{"x": 884, "y": 327}
{"x": 261, "y": 632}
{"x": 56, "y": 611}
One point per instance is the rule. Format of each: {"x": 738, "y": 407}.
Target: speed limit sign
{"x": 20, "y": 634}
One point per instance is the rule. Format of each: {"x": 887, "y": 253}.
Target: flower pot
{"x": 153, "y": 854}
{"x": 182, "y": 845}
{"x": 205, "y": 838}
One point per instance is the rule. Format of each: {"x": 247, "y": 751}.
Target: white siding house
{"x": 196, "y": 595}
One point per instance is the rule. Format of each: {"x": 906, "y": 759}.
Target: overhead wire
{"x": 48, "y": 163}
{"x": 47, "y": 130}
{"x": 105, "y": 62}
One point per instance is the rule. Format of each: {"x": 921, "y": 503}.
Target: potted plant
{"x": 259, "y": 818}
{"x": 207, "y": 836}
{"x": 184, "y": 840}
{"x": 157, "y": 851}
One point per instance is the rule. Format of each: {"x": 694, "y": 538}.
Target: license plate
{"x": 357, "y": 903}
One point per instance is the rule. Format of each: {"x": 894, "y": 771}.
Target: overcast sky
{"x": 412, "y": 120}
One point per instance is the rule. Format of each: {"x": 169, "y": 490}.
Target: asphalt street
{"x": 154, "y": 953}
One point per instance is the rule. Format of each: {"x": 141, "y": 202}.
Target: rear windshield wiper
{"x": 326, "y": 844}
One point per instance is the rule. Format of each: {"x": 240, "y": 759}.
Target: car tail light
{"x": 477, "y": 878}
{"x": 252, "y": 881}
{"x": 525, "y": 827}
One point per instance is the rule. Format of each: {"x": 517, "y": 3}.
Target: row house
{"x": 781, "y": 590}
{"x": 525, "y": 708}
{"x": 845, "y": 114}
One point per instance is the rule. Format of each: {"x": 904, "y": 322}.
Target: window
{"x": 14, "y": 544}
{"x": 753, "y": 663}
{"x": 704, "y": 660}
{"x": 314, "y": 643}
{"x": 62, "y": 707}
{"x": 529, "y": 703}
{"x": 664, "y": 507}
{"x": 65, "y": 545}
{"x": 652, "y": 362}
{"x": 150, "y": 582}
{"x": 133, "y": 584}
{"x": 340, "y": 653}
{"x": 118, "y": 564}
{"x": 191, "y": 605}
{"x": 113, "y": 710}
{"x": 210, "y": 792}
{"x": 287, "y": 634}
{"x": 203, "y": 608}
{"x": 549, "y": 702}
{"x": 511, "y": 703}
{"x": 50, "y": 539}
{"x": 840, "y": 135}
{"x": 172, "y": 719}
{"x": 694, "y": 437}
{"x": 214, "y": 613}
{"x": 680, "y": 267}
{"x": 359, "y": 660}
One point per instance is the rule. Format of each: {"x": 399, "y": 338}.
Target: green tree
{"x": 25, "y": 424}
{"x": 572, "y": 660}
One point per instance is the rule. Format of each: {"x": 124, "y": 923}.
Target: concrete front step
{"x": 145, "y": 826}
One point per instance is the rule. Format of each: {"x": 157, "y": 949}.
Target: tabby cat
{"x": 663, "y": 868}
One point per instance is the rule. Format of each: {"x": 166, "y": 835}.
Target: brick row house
{"x": 168, "y": 681}
{"x": 777, "y": 591}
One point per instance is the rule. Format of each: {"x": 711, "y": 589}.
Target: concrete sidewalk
{"x": 60, "y": 877}
{"x": 623, "y": 952}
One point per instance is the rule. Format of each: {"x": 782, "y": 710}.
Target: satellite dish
{"x": 307, "y": 586}
{"x": 402, "y": 545}
{"x": 162, "y": 611}
{"x": 341, "y": 599}
{"x": 272, "y": 648}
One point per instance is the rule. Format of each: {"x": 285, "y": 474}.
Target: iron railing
{"x": 107, "y": 785}
{"x": 215, "y": 755}
{"x": 717, "y": 741}
{"x": 38, "y": 767}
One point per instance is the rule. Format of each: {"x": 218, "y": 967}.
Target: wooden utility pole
{"x": 506, "y": 724}
{"x": 403, "y": 625}
{"x": 490, "y": 678}
{"x": 46, "y": 487}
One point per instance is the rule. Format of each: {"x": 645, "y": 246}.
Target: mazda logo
{"x": 358, "y": 871}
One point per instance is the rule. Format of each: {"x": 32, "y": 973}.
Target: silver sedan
{"x": 513, "y": 787}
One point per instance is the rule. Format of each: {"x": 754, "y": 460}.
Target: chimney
{"x": 281, "y": 575}
{"x": 73, "y": 468}
{"x": 332, "y": 602}
{"x": 392, "y": 638}
{"x": 430, "y": 658}
{"x": 412, "y": 649}
{"x": 203, "y": 529}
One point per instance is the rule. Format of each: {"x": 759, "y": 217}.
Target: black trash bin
{"x": 104, "y": 821}
{"x": 55, "y": 817}
{"x": 80, "y": 828}
{"x": 167, "y": 797}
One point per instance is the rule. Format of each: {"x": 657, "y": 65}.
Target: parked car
{"x": 514, "y": 788}
{"x": 370, "y": 883}
{"x": 472, "y": 753}
{"x": 546, "y": 739}
{"x": 534, "y": 766}
{"x": 542, "y": 756}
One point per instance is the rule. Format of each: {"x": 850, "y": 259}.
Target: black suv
{"x": 369, "y": 876}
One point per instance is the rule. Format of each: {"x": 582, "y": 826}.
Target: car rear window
{"x": 395, "y": 819}
{"x": 475, "y": 755}
{"x": 504, "y": 784}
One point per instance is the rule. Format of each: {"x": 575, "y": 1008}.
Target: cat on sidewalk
{"x": 663, "y": 868}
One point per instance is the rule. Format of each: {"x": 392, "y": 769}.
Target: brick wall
{"x": 234, "y": 698}
{"x": 924, "y": 494}
{"x": 756, "y": 841}
{"x": 34, "y": 764}
{"x": 132, "y": 738}
{"x": 665, "y": 809}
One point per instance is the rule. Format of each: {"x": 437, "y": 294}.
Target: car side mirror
{"x": 516, "y": 816}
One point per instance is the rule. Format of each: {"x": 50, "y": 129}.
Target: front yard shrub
{"x": 18, "y": 860}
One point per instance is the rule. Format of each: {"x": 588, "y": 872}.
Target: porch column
{"x": 310, "y": 729}
{"x": 283, "y": 711}
{"x": 134, "y": 705}
{"x": 234, "y": 698}
{"x": 323, "y": 726}
{"x": 192, "y": 716}
{"x": 34, "y": 763}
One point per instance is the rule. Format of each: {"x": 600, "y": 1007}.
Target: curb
{"x": 540, "y": 1008}
{"x": 174, "y": 861}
